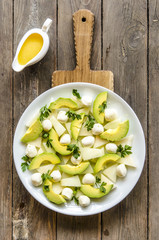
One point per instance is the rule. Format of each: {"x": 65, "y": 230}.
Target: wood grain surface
{"x": 125, "y": 42}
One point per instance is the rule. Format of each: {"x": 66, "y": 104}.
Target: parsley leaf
{"x": 25, "y": 165}
{"x": 102, "y": 188}
{"x": 48, "y": 143}
{"x": 74, "y": 195}
{"x": 46, "y": 176}
{"x": 75, "y": 93}
{"x": 73, "y": 115}
{"x": 126, "y": 150}
{"x": 45, "y": 135}
{"x": 44, "y": 113}
{"x": 98, "y": 180}
{"x": 46, "y": 187}
{"x": 90, "y": 122}
{"x": 75, "y": 149}
{"x": 102, "y": 107}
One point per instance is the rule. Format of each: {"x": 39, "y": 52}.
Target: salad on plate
{"x": 77, "y": 148}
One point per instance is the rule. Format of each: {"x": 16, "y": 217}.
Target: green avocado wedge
{"x": 118, "y": 133}
{"x": 50, "y": 194}
{"x": 73, "y": 170}
{"x": 101, "y": 97}
{"x": 105, "y": 159}
{"x": 39, "y": 159}
{"x": 53, "y": 137}
{"x": 32, "y": 132}
{"x": 76, "y": 126}
{"x": 92, "y": 192}
{"x": 63, "y": 102}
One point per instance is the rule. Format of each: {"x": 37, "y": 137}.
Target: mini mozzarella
{"x": 84, "y": 201}
{"x": 76, "y": 161}
{"x": 97, "y": 129}
{"x": 62, "y": 116}
{"x": 88, "y": 179}
{"x": 31, "y": 151}
{"x": 67, "y": 193}
{"x": 110, "y": 114}
{"x": 47, "y": 125}
{"x": 65, "y": 139}
{"x": 36, "y": 179}
{"x": 86, "y": 100}
{"x": 111, "y": 148}
{"x": 88, "y": 141}
{"x": 121, "y": 170}
{"x": 56, "y": 175}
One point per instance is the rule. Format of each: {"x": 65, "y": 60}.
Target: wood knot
{"x": 106, "y": 232}
{"x": 134, "y": 37}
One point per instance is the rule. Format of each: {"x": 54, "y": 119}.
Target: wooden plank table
{"x": 126, "y": 36}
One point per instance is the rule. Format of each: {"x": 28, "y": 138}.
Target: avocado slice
{"x": 117, "y": 133}
{"x": 73, "y": 170}
{"x": 46, "y": 156}
{"x": 56, "y": 144}
{"x": 101, "y": 97}
{"x": 92, "y": 192}
{"x": 105, "y": 159}
{"x": 33, "y": 131}
{"x": 63, "y": 102}
{"x": 76, "y": 126}
{"x": 50, "y": 194}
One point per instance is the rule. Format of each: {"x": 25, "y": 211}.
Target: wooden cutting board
{"x": 83, "y": 33}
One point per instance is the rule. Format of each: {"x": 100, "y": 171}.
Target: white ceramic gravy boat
{"x": 46, "y": 42}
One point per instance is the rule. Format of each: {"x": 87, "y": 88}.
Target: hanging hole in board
{"x": 83, "y": 19}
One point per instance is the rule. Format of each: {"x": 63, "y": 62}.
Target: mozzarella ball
{"x": 76, "y": 161}
{"x": 97, "y": 129}
{"x": 86, "y": 100}
{"x": 88, "y": 141}
{"x": 62, "y": 117}
{"x": 121, "y": 170}
{"x": 56, "y": 175}
{"x": 111, "y": 148}
{"x": 110, "y": 114}
{"x": 84, "y": 201}
{"x": 36, "y": 179}
{"x": 31, "y": 151}
{"x": 65, "y": 139}
{"x": 67, "y": 193}
{"x": 88, "y": 179}
{"x": 47, "y": 125}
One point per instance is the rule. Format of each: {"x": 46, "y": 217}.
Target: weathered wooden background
{"x": 126, "y": 41}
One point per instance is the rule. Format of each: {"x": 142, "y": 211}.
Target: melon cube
{"x": 59, "y": 128}
{"x": 71, "y": 182}
{"x": 110, "y": 172}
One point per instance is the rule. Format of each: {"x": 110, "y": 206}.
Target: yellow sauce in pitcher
{"x": 30, "y": 48}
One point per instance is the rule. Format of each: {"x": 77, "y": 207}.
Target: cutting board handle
{"x": 83, "y": 33}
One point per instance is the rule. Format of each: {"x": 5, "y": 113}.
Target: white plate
{"x": 124, "y": 186}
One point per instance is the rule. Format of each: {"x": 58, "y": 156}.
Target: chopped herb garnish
{"x": 45, "y": 135}
{"x": 102, "y": 188}
{"x": 102, "y": 107}
{"x": 90, "y": 122}
{"x": 74, "y": 195}
{"x": 46, "y": 176}
{"x": 73, "y": 115}
{"x": 75, "y": 149}
{"x": 48, "y": 143}
{"x": 44, "y": 113}
{"x": 46, "y": 187}
{"x": 75, "y": 93}
{"x": 25, "y": 158}
{"x": 25, "y": 165}
{"x": 98, "y": 180}
{"x": 126, "y": 150}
